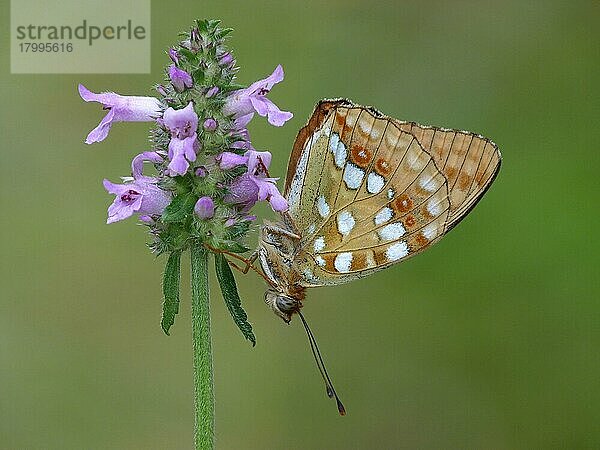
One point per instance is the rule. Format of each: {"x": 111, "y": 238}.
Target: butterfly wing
{"x": 470, "y": 163}
{"x": 365, "y": 193}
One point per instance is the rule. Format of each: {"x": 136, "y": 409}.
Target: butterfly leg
{"x": 248, "y": 261}
{"x": 274, "y": 229}
{"x": 236, "y": 267}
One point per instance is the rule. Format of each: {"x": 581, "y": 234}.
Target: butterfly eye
{"x": 281, "y": 305}
{"x": 286, "y": 304}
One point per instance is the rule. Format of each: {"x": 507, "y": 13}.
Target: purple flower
{"x": 174, "y": 55}
{"x": 254, "y": 185}
{"x": 257, "y": 162}
{"x": 243, "y": 191}
{"x": 205, "y": 208}
{"x": 267, "y": 190}
{"x": 140, "y": 196}
{"x": 246, "y": 190}
{"x": 226, "y": 59}
{"x": 210, "y": 124}
{"x": 229, "y": 160}
{"x": 243, "y": 103}
{"x": 121, "y": 108}
{"x": 137, "y": 164}
{"x": 180, "y": 79}
{"x": 182, "y": 123}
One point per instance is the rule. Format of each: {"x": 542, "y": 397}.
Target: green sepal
{"x": 232, "y": 298}
{"x": 180, "y": 207}
{"x": 171, "y": 291}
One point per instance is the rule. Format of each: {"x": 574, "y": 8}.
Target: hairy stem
{"x": 204, "y": 399}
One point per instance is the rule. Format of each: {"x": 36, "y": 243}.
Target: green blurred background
{"x": 488, "y": 341}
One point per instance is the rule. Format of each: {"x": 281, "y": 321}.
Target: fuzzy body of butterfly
{"x": 366, "y": 191}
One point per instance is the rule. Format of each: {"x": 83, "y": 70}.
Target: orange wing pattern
{"x": 469, "y": 161}
{"x": 367, "y": 191}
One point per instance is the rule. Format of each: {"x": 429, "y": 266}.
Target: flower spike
{"x": 206, "y": 178}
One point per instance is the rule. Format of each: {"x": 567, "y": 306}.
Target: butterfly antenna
{"x": 321, "y": 366}
{"x": 312, "y": 349}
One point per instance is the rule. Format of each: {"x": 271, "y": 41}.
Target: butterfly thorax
{"x": 277, "y": 249}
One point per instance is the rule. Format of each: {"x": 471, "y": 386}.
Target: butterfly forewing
{"x": 367, "y": 191}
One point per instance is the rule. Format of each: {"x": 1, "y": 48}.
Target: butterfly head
{"x": 282, "y": 305}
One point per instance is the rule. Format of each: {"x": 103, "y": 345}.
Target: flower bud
{"x": 226, "y": 59}
{"x": 174, "y": 55}
{"x": 180, "y": 79}
{"x": 212, "y": 91}
{"x": 161, "y": 90}
{"x": 205, "y": 208}
{"x": 210, "y": 124}
{"x": 195, "y": 34}
{"x": 201, "y": 171}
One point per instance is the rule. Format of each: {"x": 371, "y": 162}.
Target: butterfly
{"x": 366, "y": 191}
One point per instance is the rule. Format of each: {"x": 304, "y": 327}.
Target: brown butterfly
{"x": 366, "y": 191}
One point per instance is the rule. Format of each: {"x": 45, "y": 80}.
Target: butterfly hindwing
{"x": 469, "y": 161}
{"x": 366, "y": 191}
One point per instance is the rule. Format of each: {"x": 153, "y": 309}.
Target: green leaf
{"x": 180, "y": 207}
{"x": 183, "y": 184}
{"x": 198, "y": 76}
{"x": 232, "y": 298}
{"x": 171, "y": 291}
{"x": 187, "y": 54}
{"x": 213, "y": 23}
{"x": 224, "y": 32}
{"x": 202, "y": 25}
